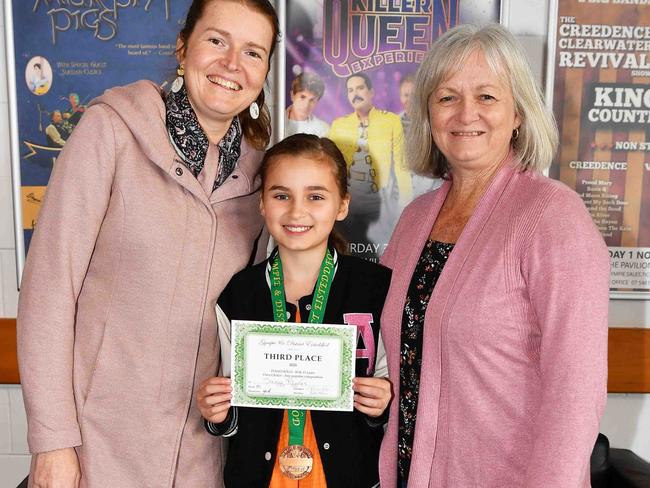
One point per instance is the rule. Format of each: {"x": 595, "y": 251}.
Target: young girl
{"x": 304, "y": 192}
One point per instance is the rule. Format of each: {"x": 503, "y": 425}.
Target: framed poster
{"x": 349, "y": 75}
{"x": 60, "y": 56}
{"x": 597, "y": 85}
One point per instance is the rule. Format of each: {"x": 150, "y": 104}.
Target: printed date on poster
{"x": 630, "y": 268}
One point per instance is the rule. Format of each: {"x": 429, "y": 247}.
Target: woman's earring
{"x": 515, "y": 134}
{"x": 178, "y": 82}
{"x": 254, "y": 110}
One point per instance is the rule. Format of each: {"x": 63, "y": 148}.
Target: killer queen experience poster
{"x": 354, "y": 60}
{"x": 599, "y": 68}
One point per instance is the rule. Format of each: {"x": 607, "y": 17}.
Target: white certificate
{"x": 288, "y": 365}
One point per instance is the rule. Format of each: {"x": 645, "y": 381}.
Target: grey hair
{"x": 537, "y": 140}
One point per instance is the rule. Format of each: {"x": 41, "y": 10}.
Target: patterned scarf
{"x": 192, "y": 144}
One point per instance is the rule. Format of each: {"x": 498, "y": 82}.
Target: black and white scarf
{"x": 190, "y": 140}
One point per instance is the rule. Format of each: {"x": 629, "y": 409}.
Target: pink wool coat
{"x": 116, "y": 320}
{"x": 514, "y": 359}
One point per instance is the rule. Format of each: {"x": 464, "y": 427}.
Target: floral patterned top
{"x": 426, "y": 274}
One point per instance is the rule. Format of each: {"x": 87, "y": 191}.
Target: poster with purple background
{"x": 349, "y": 69}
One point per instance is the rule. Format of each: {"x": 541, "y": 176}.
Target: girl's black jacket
{"x": 348, "y": 442}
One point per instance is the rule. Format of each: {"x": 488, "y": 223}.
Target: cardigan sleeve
{"x": 75, "y": 203}
{"x": 566, "y": 268}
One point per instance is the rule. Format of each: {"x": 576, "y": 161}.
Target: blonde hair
{"x": 537, "y": 139}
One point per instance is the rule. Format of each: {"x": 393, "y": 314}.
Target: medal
{"x": 296, "y": 460}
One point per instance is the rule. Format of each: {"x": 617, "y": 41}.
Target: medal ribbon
{"x": 318, "y": 304}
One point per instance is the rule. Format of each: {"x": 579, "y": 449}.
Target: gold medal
{"x": 296, "y": 462}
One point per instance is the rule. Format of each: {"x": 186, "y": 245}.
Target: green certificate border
{"x": 242, "y": 328}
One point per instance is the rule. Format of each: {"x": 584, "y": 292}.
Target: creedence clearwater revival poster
{"x": 355, "y": 59}
{"x": 601, "y": 101}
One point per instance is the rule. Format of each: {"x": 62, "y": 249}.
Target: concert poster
{"x": 599, "y": 66}
{"x": 330, "y": 44}
{"x": 65, "y": 53}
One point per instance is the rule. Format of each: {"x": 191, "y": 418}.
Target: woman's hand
{"x": 213, "y": 398}
{"x": 371, "y": 395}
{"x": 55, "y": 469}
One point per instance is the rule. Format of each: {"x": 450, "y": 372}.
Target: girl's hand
{"x": 371, "y": 395}
{"x": 213, "y": 398}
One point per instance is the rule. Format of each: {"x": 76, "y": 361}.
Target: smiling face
{"x": 303, "y": 104}
{"x": 225, "y": 59}
{"x": 472, "y": 116}
{"x": 359, "y": 95}
{"x": 301, "y": 201}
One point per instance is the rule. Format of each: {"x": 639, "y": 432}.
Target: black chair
{"x": 617, "y": 468}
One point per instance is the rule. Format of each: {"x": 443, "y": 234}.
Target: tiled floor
{"x": 13, "y": 425}
{"x": 14, "y": 468}
{"x": 14, "y": 457}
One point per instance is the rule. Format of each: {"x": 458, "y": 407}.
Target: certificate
{"x": 288, "y": 365}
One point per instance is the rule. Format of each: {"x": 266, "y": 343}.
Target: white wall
{"x": 627, "y": 418}
{"x": 8, "y": 294}
{"x": 14, "y": 458}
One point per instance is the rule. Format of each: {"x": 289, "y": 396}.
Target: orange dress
{"x": 315, "y": 479}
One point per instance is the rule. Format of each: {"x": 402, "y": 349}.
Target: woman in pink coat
{"x": 495, "y": 324}
{"x": 151, "y": 208}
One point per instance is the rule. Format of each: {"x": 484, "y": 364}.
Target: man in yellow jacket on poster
{"x": 372, "y": 142}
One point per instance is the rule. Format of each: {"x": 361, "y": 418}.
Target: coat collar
{"x": 141, "y": 108}
{"x": 243, "y": 180}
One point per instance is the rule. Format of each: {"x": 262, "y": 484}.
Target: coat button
{"x": 267, "y": 456}
{"x": 326, "y": 446}
{"x": 308, "y": 307}
{"x": 288, "y": 314}
{"x": 179, "y": 171}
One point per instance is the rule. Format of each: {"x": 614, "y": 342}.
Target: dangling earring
{"x": 254, "y": 110}
{"x": 178, "y": 82}
{"x": 515, "y": 134}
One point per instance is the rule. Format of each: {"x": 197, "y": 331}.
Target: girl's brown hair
{"x": 317, "y": 148}
{"x": 257, "y": 131}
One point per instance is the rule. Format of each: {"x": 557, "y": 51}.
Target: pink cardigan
{"x": 514, "y": 365}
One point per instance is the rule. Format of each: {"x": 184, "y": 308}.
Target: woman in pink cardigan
{"x": 495, "y": 324}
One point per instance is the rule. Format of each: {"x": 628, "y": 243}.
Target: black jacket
{"x": 348, "y": 442}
